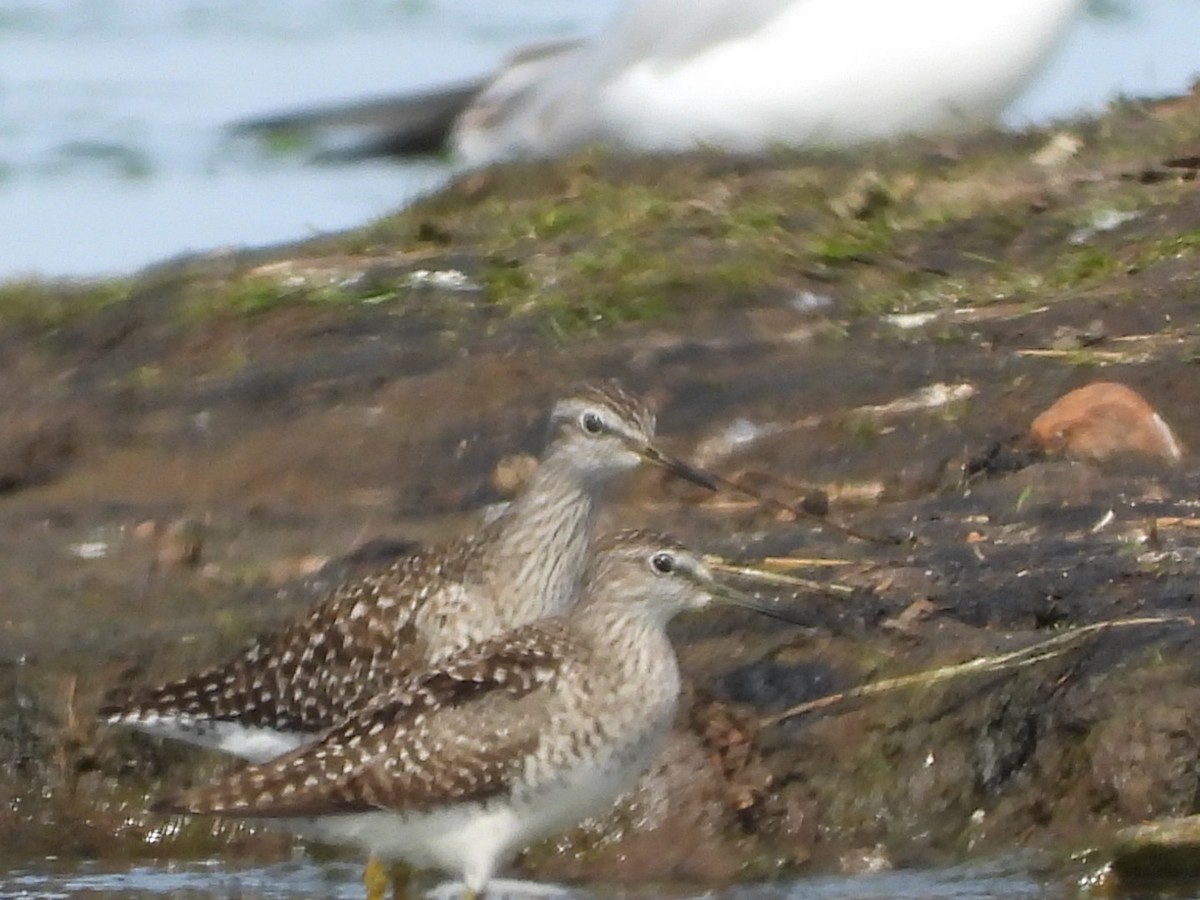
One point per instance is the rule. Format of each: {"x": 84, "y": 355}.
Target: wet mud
{"x": 201, "y": 458}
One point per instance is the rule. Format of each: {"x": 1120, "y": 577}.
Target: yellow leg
{"x": 375, "y": 877}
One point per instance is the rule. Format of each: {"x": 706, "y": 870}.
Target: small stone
{"x": 1071, "y": 337}
{"x": 866, "y": 861}
{"x": 1104, "y": 420}
{"x": 867, "y": 195}
{"x": 282, "y": 571}
{"x": 1057, "y": 151}
{"x": 181, "y": 543}
{"x": 915, "y": 613}
{"x": 512, "y": 472}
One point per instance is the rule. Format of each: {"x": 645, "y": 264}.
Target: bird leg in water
{"x": 377, "y": 876}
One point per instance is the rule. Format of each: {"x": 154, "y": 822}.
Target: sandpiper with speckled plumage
{"x": 509, "y": 741}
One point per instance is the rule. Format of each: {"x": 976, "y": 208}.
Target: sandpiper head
{"x": 605, "y": 431}
{"x": 658, "y": 575}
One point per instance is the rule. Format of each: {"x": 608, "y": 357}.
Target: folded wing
{"x": 454, "y": 735}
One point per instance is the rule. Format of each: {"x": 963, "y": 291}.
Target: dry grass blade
{"x": 802, "y": 562}
{"x": 1176, "y": 522}
{"x": 1105, "y": 355}
{"x": 766, "y": 576}
{"x": 1014, "y": 659}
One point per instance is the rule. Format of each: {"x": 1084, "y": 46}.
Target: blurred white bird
{"x": 736, "y": 75}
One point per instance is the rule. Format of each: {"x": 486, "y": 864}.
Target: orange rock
{"x": 1102, "y": 420}
{"x": 145, "y": 530}
{"x": 512, "y": 472}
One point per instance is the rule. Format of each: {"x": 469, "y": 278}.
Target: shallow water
{"x": 1015, "y": 878}
{"x": 299, "y": 880}
{"x": 112, "y": 150}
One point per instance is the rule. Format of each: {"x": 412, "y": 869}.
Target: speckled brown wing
{"x": 305, "y": 677}
{"x": 453, "y": 735}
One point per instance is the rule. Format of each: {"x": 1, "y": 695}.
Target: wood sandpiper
{"x": 513, "y": 739}
{"x": 285, "y": 688}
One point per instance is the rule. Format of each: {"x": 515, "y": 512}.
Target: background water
{"x": 112, "y": 152}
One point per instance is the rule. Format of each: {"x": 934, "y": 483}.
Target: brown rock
{"x": 38, "y": 447}
{"x": 1143, "y": 756}
{"x": 1104, "y": 420}
{"x": 1163, "y": 848}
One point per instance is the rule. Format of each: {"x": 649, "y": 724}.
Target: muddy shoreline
{"x": 285, "y": 408}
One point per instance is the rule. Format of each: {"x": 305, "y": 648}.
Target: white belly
{"x": 471, "y": 841}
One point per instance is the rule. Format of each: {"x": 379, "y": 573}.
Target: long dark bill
{"x": 731, "y": 597}
{"x": 677, "y": 467}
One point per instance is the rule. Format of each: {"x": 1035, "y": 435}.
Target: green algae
{"x": 598, "y": 240}
{"x": 39, "y": 305}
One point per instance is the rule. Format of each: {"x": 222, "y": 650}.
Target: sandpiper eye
{"x": 591, "y": 423}
{"x": 664, "y": 563}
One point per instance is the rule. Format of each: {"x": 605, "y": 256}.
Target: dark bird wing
{"x": 407, "y": 125}
{"x": 454, "y": 735}
{"x": 413, "y": 125}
